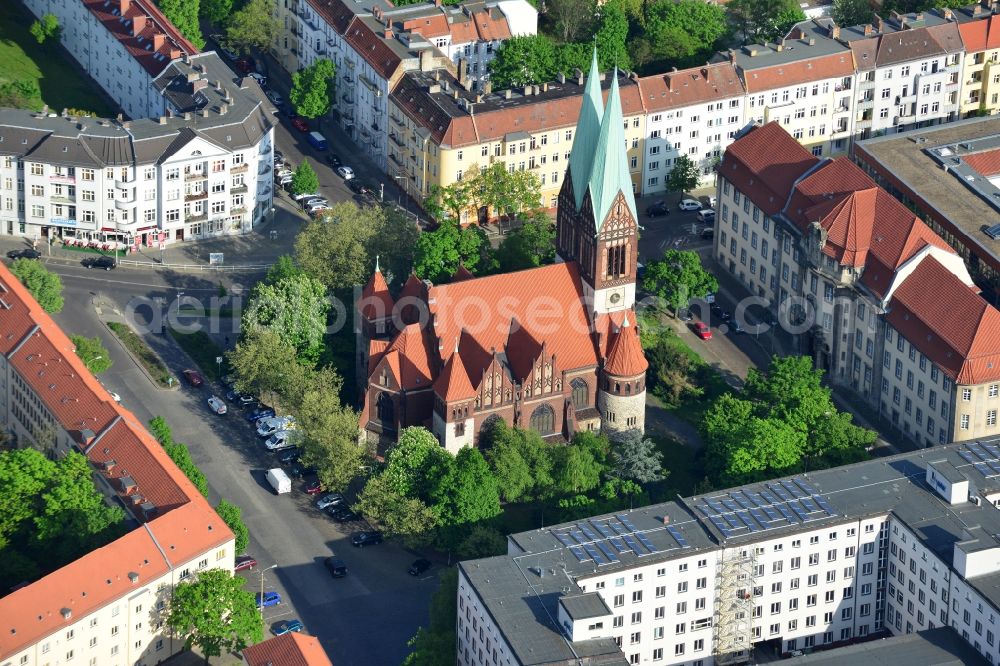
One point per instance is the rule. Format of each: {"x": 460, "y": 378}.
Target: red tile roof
{"x": 372, "y": 48}
{"x": 807, "y": 70}
{"x": 987, "y": 162}
{"x": 625, "y": 358}
{"x": 982, "y": 34}
{"x": 154, "y": 26}
{"x": 429, "y": 27}
{"x": 953, "y": 326}
{"x": 183, "y": 525}
{"x": 375, "y": 299}
{"x": 764, "y": 163}
{"x": 690, "y": 86}
{"x": 292, "y": 649}
{"x": 453, "y": 382}
{"x": 411, "y": 358}
{"x": 334, "y": 12}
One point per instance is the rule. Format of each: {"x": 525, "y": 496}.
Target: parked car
{"x": 245, "y": 562}
{"x": 298, "y": 470}
{"x": 305, "y": 196}
{"x": 313, "y": 487}
{"x": 342, "y": 514}
{"x": 287, "y": 627}
{"x": 300, "y": 124}
{"x": 193, "y": 378}
{"x": 107, "y": 263}
{"x": 317, "y": 211}
{"x": 268, "y": 599}
{"x": 308, "y": 201}
{"x": 689, "y": 204}
{"x": 702, "y": 330}
{"x": 419, "y": 567}
{"x": 313, "y": 209}
{"x": 269, "y": 426}
{"x": 331, "y": 499}
{"x": 737, "y": 327}
{"x": 708, "y": 233}
{"x": 241, "y": 399}
{"x": 26, "y": 253}
{"x": 283, "y": 173}
{"x": 345, "y": 172}
{"x": 288, "y": 456}
{"x": 285, "y": 181}
{"x": 216, "y": 405}
{"x": 259, "y": 413}
{"x": 332, "y": 159}
{"x": 706, "y": 215}
{"x": 245, "y": 65}
{"x": 336, "y": 567}
{"x": 362, "y": 539}
{"x": 259, "y": 78}
{"x": 279, "y": 441}
{"x": 658, "y": 209}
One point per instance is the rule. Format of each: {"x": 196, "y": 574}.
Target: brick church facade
{"x": 553, "y": 348}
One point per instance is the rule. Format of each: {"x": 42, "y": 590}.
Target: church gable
{"x": 619, "y": 221}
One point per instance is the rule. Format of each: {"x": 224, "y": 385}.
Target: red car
{"x": 194, "y": 378}
{"x": 314, "y": 487}
{"x": 244, "y": 65}
{"x": 702, "y": 330}
{"x": 300, "y": 124}
{"x": 245, "y": 562}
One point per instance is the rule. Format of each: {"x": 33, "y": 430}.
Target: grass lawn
{"x": 141, "y": 351}
{"x": 24, "y": 59}
{"x": 202, "y": 350}
{"x": 684, "y": 467}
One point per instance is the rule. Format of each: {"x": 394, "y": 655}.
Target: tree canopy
{"x": 329, "y": 440}
{"x": 215, "y": 11}
{"x": 215, "y": 614}
{"x": 678, "y": 278}
{"x": 184, "y": 15}
{"x": 305, "y": 180}
{"x": 232, "y": 516}
{"x": 439, "y": 253}
{"x": 765, "y": 20}
{"x": 611, "y": 37}
{"x": 253, "y": 26}
{"x": 92, "y": 352}
{"x": 682, "y": 33}
{"x": 46, "y": 287}
{"x": 531, "y": 244}
{"x": 45, "y": 28}
{"x": 635, "y": 457}
{"x": 523, "y": 60}
{"x": 337, "y": 247}
{"x": 684, "y": 176}
{"x": 573, "y": 18}
{"x": 848, "y": 13}
{"x": 295, "y": 308}
{"x": 313, "y": 89}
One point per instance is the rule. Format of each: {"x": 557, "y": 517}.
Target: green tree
{"x": 215, "y": 11}
{"x": 24, "y": 474}
{"x": 295, "y": 308}
{"x": 673, "y": 374}
{"x": 330, "y": 436}
{"x": 440, "y": 252}
{"x": 684, "y": 176}
{"x": 750, "y": 448}
{"x": 468, "y": 495}
{"x": 334, "y": 248}
{"x": 184, "y": 15}
{"x": 572, "y": 18}
{"x": 685, "y": 32}
{"x": 531, "y": 244}
{"x": 313, "y": 89}
{"x": 574, "y": 469}
{"x": 45, "y": 28}
{"x": 265, "y": 364}
{"x": 481, "y": 541}
{"x": 513, "y": 474}
{"x": 178, "y": 453}
{"x": 531, "y": 449}
{"x": 610, "y": 38}
{"x": 434, "y": 645}
{"x": 523, "y": 60}
{"x": 636, "y": 458}
{"x": 215, "y": 614}
{"x": 394, "y": 246}
{"x": 448, "y": 202}
{"x": 253, "y": 27}
{"x": 395, "y": 514}
{"x": 21, "y": 94}
{"x": 764, "y": 20}
{"x": 852, "y": 12}
{"x": 416, "y": 465}
{"x": 678, "y": 278}
{"x": 283, "y": 267}
{"x": 92, "y": 353}
{"x": 304, "y": 180}
{"x": 232, "y": 516}
{"x": 46, "y": 287}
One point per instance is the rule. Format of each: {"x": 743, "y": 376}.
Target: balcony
{"x": 124, "y": 184}
{"x": 397, "y": 140}
{"x": 196, "y": 196}
{"x": 397, "y": 160}
{"x": 63, "y": 199}
{"x": 239, "y": 210}
{"x": 62, "y": 178}
{"x": 866, "y": 103}
{"x": 239, "y": 189}
{"x": 196, "y": 217}
{"x": 123, "y": 204}
{"x": 347, "y": 97}
{"x": 240, "y": 168}
{"x": 396, "y": 119}
{"x": 195, "y": 175}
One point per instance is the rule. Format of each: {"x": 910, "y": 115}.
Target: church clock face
{"x": 615, "y": 298}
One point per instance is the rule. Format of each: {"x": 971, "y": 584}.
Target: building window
{"x": 384, "y": 409}
{"x": 581, "y": 393}
{"x": 616, "y": 261}
{"x": 543, "y": 420}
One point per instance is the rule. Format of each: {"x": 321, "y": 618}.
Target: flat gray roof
{"x": 941, "y": 646}
{"x": 906, "y": 163}
{"x": 585, "y": 606}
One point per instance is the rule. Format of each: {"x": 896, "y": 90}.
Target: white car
{"x": 284, "y": 180}
{"x": 279, "y": 440}
{"x": 689, "y": 204}
{"x": 267, "y": 427}
{"x": 305, "y": 196}
{"x": 345, "y": 172}
{"x": 711, "y": 201}
{"x": 217, "y": 405}
{"x": 259, "y": 78}
{"x": 317, "y": 206}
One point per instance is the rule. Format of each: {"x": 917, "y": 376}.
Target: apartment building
{"x": 695, "y": 112}
{"x": 124, "y": 45}
{"x": 440, "y": 131}
{"x": 106, "y": 608}
{"x": 822, "y": 559}
{"x": 980, "y": 77}
{"x": 203, "y": 171}
{"x": 869, "y": 288}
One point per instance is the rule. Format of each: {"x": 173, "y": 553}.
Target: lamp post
{"x": 273, "y": 566}
{"x": 398, "y": 190}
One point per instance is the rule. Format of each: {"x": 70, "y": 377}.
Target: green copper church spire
{"x": 609, "y": 173}
{"x": 588, "y": 128}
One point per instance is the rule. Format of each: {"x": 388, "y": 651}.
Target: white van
{"x": 279, "y": 480}
{"x": 706, "y": 215}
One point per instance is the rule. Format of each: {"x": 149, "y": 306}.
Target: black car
{"x": 658, "y": 209}
{"x": 336, "y": 567}
{"x": 289, "y": 456}
{"x": 333, "y": 160}
{"x": 362, "y": 539}
{"x": 298, "y": 470}
{"x": 419, "y": 567}
{"x": 241, "y": 399}
{"x": 342, "y": 514}
{"x": 107, "y": 263}
{"x": 262, "y": 412}
{"x": 26, "y": 253}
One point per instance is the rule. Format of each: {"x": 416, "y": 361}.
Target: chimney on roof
{"x": 387, "y": 31}
{"x": 187, "y": 115}
{"x": 204, "y": 113}
{"x": 877, "y": 23}
{"x": 835, "y": 31}
{"x": 454, "y": 93}
{"x": 780, "y": 45}
{"x": 192, "y": 76}
{"x": 868, "y": 30}
{"x": 184, "y": 57}
{"x": 812, "y": 41}
{"x": 437, "y": 3}
{"x": 124, "y": 5}
{"x": 487, "y": 87}
{"x": 529, "y": 90}
{"x": 732, "y": 55}
{"x": 561, "y": 77}
{"x": 127, "y": 124}
{"x": 426, "y": 60}
{"x": 163, "y": 120}
{"x": 977, "y": 10}
{"x": 545, "y": 87}
{"x": 159, "y": 39}
{"x": 463, "y": 72}
{"x": 138, "y": 24}
{"x": 170, "y": 113}
{"x": 947, "y": 14}
{"x": 223, "y": 108}
{"x": 175, "y": 54}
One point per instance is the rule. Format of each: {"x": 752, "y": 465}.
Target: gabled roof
{"x": 453, "y": 382}
{"x": 291, "y": 649}
{"x": 952, "y": 325}
{"x": 376, "y": 300}
{"x": 982, "y": 34}
{"x": 764, "y": 163}
{"x": 609, "y": 173}
{"x": 588, "y": 129}
{"x": 917, "y": 44}
{"x": 462, "y": 273}
{"x": 411, "y": 358}
{"x": 625, "y": 357}
{"x": 848, "y": 223}
{"x": 697, "y": 85}
{"x": 987, "y": 162}
{"x": 372, "y": 48}
{"x": 796, "y": 72}
{"x": 142, "y": 29}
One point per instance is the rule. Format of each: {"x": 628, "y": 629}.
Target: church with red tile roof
{"x": 554, "y": 348}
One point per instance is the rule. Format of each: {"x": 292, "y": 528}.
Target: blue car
{"x": 260, "y": 413}
{"x": 287, "y": 627}
{"x": 269, "y": 599}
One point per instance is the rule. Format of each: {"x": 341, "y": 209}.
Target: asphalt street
{"x": 365, "y": 618}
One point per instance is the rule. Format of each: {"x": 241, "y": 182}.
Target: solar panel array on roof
{"x": 603, "y": 541}
{"x": 984, "y": 458}
{"x": 785, "y": 502}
